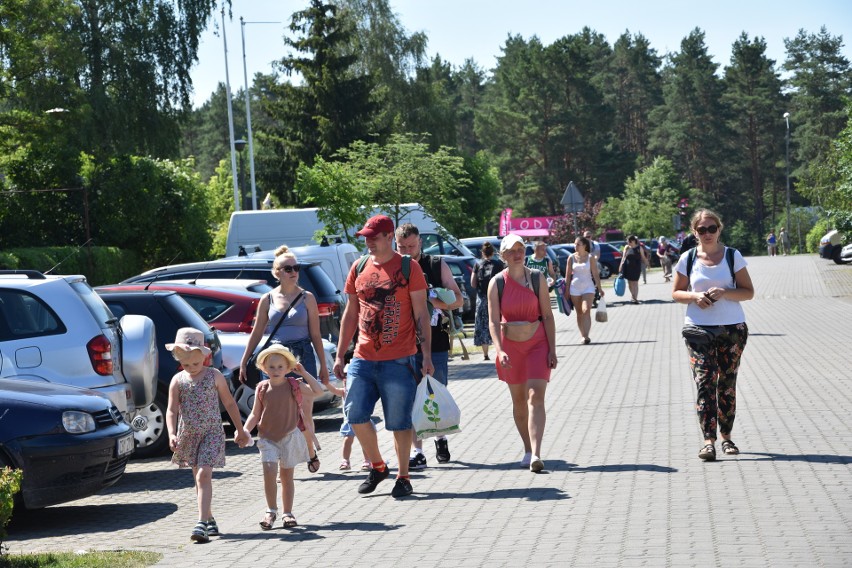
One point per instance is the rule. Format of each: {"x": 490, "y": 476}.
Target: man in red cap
{"x": 388, "y": 308}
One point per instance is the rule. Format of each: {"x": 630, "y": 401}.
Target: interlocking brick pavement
{"x": 622, "y": 487}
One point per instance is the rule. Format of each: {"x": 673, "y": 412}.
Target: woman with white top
{"x": 713, "y": 280}
{"x": 584, "y": 277}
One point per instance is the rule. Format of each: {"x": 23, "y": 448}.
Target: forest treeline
{"x": 99, "y": 140}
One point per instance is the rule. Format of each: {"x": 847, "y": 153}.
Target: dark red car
{"x": 226, "y": 310}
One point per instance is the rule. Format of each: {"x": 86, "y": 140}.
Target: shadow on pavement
{"x": 807, "y": 458}
{"x": 89, "y": 518}
{"x": 527, "y": 493}
{"x": 618, "y": 468}
{"x": 309, "y": 532}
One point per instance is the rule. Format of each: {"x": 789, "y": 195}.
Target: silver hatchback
{"x": 56, "y": 328}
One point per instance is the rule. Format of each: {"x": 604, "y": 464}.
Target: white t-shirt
{"x": 703, "y": 277}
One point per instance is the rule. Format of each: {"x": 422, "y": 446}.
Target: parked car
{"x": 846, "y": 254}
{"x": 475, "y": 246}
{"x": 335, "y": 258}
{"x": 240, "y": 284}
{"x": 68, "y": 442}
{"x": 226, "y": 310}
{"x": 56, "y": 327}
{"x": 462, "y": 268}
{"x": 169, "y": 312}
{"x": 311, "y": 277}
{"x": 607, "y": 265}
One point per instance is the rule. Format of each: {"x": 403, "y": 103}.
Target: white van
{"x": 266, "y": 230}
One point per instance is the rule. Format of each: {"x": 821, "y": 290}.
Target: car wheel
{"x": 149, "y": 428}
{"x": 835, "y": 256}
{"x": 605, "y": 271}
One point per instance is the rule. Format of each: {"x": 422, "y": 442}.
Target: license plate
{"x": 125, "y": 445}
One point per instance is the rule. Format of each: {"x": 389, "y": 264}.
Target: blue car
{"x": 69, "y": 442}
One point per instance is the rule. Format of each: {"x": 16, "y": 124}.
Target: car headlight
{"x": 76, "y": 422}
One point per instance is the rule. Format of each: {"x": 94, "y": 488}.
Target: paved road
{"x": 622, "y": 487}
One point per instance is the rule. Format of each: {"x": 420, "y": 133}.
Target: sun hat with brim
{"x": 275, "y": 349}
{"x": 509, "y": 241}
{"x": 189, "y": 339}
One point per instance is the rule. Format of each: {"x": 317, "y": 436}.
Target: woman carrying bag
{"x": 289, "y": 315}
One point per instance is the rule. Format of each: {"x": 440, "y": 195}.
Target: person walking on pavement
{"x": 524, "y": 336}
{"x": 585, "y": 280}
{"x": 632, "y": 260}
{"x": 486, "y": 268}
{"x": 387, "y": 306}
{"x": 595, "y": 249}
{"x": 299, "y": 332}
{"x": 772, "y": 243}
{"x": 785, "y": 241}
{"x": 539, "y": 260}
{"x": 664, "y": 251}
{"x": 713, "y": 280}
{"x": 438, "y": 275}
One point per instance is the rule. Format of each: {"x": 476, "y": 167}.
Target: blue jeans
{"x": 304, "y": 352}
{"x": 391, "y": 381}
{"x": 441, "y": 363}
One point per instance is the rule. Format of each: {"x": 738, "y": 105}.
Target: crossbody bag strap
{"x": 283, "y": 317}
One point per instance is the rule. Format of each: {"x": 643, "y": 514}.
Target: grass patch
{"x": 93, "y": 559}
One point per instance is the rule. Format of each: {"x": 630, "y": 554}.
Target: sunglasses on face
{"x": 704, "y": 230}
{"x": 289, "y": 269}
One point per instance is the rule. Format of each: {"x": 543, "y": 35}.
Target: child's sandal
{"x": 345, "y": 465}
{"x": 269, "y": 519}
{"x": 314, "y": 464}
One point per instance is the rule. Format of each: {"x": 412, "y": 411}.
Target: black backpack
{"x": 484, "y": 273}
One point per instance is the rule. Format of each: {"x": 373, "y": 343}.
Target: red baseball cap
{"x": 376, "y": 225}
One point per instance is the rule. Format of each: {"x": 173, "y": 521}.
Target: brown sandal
{"x": 729, "y": 448}
{"x": 708, "y": 453}
{"x": 289, "y": 521}
{"x": 268, "y": 520}
{"x": 314, "y": 464}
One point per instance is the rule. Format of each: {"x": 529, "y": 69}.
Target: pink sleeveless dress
{"x": 528, "y": 358}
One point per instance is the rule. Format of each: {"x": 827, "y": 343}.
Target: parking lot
{"x": 622, "y": 484}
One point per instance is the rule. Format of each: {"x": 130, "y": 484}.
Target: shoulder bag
{"x": 253, "y": 374}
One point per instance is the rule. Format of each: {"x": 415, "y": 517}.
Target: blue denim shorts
{"x": 392, "y": 382}
{"x": 441, "y": 363}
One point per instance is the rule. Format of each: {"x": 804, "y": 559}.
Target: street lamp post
{"x": 239, "y": 146}
{"x": 787, "y": 220}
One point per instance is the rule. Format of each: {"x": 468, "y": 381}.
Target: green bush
{"x": 814, "y": 235}
{"x": 100, "y": 265}
{"x": 10, "y": 484}
{"x": 740, "y": 237}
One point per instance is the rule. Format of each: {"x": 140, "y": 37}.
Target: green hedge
{"x": 100, "y": 265}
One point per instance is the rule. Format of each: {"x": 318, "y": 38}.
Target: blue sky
{"x": 462, "y": 29}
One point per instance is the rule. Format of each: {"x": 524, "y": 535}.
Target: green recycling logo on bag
{"x": 434, "y": 413}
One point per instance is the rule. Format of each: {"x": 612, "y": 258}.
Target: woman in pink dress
{"x": 524, "y": 336}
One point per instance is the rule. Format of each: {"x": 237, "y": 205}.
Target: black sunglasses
{"x": 704, "y": 230}
{"x": 295, "y": 268}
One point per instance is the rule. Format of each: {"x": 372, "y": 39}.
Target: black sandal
{"x": 708, "y": 453}
{"x": 314, "y": 464}
{"x": 729, "y": 448}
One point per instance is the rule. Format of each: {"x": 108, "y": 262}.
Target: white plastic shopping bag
{"x": 600, "y": 312}
{"x": 435, "y": 413}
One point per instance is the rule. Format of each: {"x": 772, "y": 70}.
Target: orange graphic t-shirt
{"x": 386, "y": 328}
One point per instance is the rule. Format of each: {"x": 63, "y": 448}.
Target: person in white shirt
{"x": 713, "y": 280}
{"x": 596, "y": 248}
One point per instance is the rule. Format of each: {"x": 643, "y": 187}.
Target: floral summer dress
{"x": 201, "y": 438}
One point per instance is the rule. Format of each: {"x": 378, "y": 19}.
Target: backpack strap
{"x": 729, "y": 257}
{"x": 406, "y": 265}
{"x": 501, "y": 283}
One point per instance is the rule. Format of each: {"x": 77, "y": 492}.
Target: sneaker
{"x": 525, "y": 461}
{"x": 536, "y": 465}
{"x": 402, "y": 488}
{"x": 199, "y": 533}
{"x": 212, "y": 527}
{"x": 417, "y": 461}
{"x": 442, "y": 451}
{"x": 373, "y": 479}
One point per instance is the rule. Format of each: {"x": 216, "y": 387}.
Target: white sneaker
{"x": 525, "y": 462}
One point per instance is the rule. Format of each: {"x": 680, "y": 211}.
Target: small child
{"x": 277, "y": 412}
{"x": 348, "y": 436}
{"x": 197, "y": 438}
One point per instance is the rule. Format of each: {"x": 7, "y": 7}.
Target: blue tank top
{"x": 295, "y": 328}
